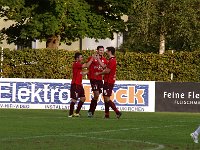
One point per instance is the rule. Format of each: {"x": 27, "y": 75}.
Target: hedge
{"x": 56, "y": 64}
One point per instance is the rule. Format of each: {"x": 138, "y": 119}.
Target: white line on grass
{"x": 127, "y": 129}
{"x": 86, "y": 134}
{"x": 159, "y": 146}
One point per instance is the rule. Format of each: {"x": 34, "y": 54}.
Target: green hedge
{"x": 56, "y": 64}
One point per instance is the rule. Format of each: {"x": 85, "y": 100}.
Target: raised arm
{"x": 100, "y": 62}
{"x": 86, "y": 65}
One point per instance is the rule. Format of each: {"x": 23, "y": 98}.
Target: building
{"x": 83, "y": 44}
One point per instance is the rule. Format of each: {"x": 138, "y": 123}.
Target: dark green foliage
{"x": 155, "y": 67}
{"x": 56, "y": 64}
{"x": 69, "y": 19}
{"x": 178, "y": 21}
{"x": 38, "y": 63}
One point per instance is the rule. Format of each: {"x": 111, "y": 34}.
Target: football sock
{"x": 94, "y": 107}
{"x": 71, "y": 108}
{"x": 197, "y": 131}
{"x": 80, "y": 103}
{"x": 113, "y": 106}
{"x": 91, "y": 105}
{"x": 106, "y": 109}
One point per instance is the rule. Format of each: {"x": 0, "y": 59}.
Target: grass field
{"x": 53, "y": 130}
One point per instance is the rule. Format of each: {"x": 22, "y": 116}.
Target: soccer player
{"x": 76, "y": 90}
{"x": 96, "y": 80}
{"x": 109, "y": 79}
{"x": 195, "y": 135}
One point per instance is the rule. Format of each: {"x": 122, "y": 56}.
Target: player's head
{"x": 110, "y": 50}
{"x": 78, "y": 56}
{"x": 100, "y": 50}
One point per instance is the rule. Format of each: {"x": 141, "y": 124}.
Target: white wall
{"x": 87, "y": 43}
{"x": 6, "y": 24}
{"x": 91, "y": 44}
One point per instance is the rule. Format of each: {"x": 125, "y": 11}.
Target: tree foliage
{"x": 69, "y": 20}
{"x": 178, "y": 21}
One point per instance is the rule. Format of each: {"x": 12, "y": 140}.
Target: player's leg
{"x": 106, "y": 103}
{"x": 71, "y": 110}
{"x": 96, "y": 94}
{"x": 107, "y": 93}
{"x": 106, "y": 99}
{"x": 93, "y": 86}
{"x": 93, "y": 104}
{"x": 197, "y": 131}
{"x": 94, "y": 101}
{"x": 109, "y": 103}
{"x": 81, "y": 95}
{"x": 195, "y": 135}
{"x": 80, "y": 104}
{"x": 74, "y": 98}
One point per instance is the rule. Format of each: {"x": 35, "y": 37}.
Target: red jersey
{"x": 112, "y": 65}
{"x": 77, "y": 73}
{"x": 96, "y": 67}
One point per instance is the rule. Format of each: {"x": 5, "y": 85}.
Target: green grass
{"x": 53, "y": 130}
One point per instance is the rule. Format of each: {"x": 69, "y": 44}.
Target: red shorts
{"x": 76, "y": 91}
{"x": 107, "y": 89}
{"x": 97, "y": 85}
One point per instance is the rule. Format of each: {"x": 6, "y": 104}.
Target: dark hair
{"x": 77, "y": 55}
{"x": 112, "y": 49}
{"x": 98, "y": 47}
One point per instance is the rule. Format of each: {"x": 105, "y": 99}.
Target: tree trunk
{"x": 53, "y": 42}
{"x": 162, "y": 43}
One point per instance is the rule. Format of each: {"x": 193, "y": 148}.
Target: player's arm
{"x": 85, "y": 72}
{"x": 105, "y": 71}
{"x": 86, "y": 65}
{"x": 100, "y": 62}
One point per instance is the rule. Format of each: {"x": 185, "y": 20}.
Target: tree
{"x": 163, "y": 24}
{"x": 58, "y": 21}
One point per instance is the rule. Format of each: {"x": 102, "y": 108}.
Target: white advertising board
{"x": 136, "y": 96}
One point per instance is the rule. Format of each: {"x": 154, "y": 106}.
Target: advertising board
{"x": 55, "y": 94}
{"x": 177, "y": 96}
